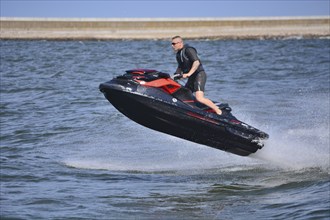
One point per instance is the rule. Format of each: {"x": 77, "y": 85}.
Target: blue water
{"x": 66, "y": 153}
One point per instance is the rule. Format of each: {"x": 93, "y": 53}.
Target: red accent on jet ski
{"x": 202, "y": 117}
{"x": 168, "y": 85}
{"x": 141, "y": 71}
{"x": 235, "y": 121}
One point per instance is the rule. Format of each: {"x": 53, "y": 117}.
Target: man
{"x": 191, "y": 67}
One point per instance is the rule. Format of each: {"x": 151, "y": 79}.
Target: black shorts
{"x": 196, "y": 82}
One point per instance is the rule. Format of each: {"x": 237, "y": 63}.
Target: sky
{"x": 162, "y": 8}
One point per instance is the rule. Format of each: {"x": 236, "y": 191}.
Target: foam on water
{"x": 303, "y": 141}
{"x": 295, "y": 150}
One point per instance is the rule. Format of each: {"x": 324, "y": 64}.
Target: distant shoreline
{"x": 163, "y": 28}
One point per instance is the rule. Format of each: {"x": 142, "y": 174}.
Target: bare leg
{"x": 200, "y": 97}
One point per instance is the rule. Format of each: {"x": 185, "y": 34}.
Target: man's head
{"x": 177, "y": 43}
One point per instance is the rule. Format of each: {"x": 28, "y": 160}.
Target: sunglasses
{"x": 175, "y": 43}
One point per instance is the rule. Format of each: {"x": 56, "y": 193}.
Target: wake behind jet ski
{"x": 153, "y": 99}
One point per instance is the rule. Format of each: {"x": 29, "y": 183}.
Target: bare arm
{"x": 193, "y": 69}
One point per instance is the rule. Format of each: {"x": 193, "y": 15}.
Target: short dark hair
{"x": 177, "y": 36}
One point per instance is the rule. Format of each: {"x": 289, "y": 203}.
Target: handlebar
{"x": 176, "y": 76}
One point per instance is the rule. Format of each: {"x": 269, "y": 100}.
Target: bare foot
{"x": 219, "y": 112}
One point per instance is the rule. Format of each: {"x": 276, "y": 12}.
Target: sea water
{"x": 66, "y": 153}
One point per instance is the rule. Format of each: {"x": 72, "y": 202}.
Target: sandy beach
{"x": 164, "y": 28}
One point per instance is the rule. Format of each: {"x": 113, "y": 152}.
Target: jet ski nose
{"x": 104, "y": 87}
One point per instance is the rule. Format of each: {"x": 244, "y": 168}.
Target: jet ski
{"x": 155, "y": 100}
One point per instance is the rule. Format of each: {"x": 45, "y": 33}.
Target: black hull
{"x": 174, "y": 120}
